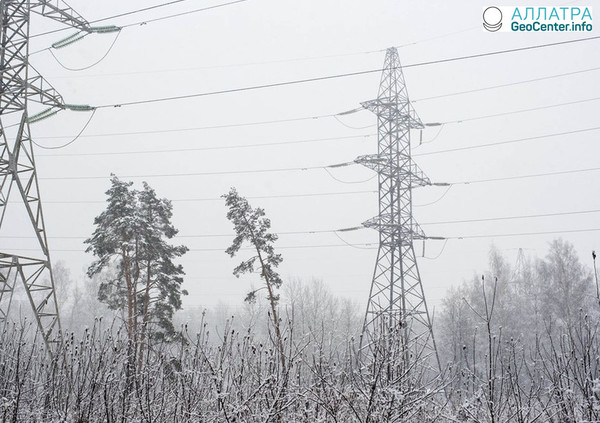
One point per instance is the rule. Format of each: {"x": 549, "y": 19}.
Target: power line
{"x": 189, "y": 12}
{"x": 198, "y": 128}
{"x": 337, "y": 231}
{"x": 259, "y": 197}
{"x": 362, "y": 181}
{"x": 235, "y": 125}
{"x": 369, "y": 244}
{"x": 169, "y": 175}
{"x": 132, "y": 12}
{"x": 537, "y": 175}
{"x": 438, "y": 254}
{"x": 348, "y": 243}
{"x": 341, "y": 122}
{"x": 88, "y": 66}
{"x": 337, "y": 76}
{"x": 143, "y": 22}
{"x": 510, "y": 84}
{"x": 525, "y": 216}
{"x": 69, "y": 142}
{"x": 436, "y": 37}
{"x": 472, "y": 147}
{"x": 267, "y": 62}
{"x": 138, "y": 11}
{"x": 497, "y": 52}
{"x": 435, "y": 137}
{"x": 524, "y": 234}
{"x": 551, "y": 106}
{"x": 306, "y": 168}
{"x": 315, "y": 58}
{"x": 292, "y": 247}
{"x": 435, "y": 201}
{"x": 220, "y": 147}
{"x": 240, "y": 89}
{"x": 164, "y": 151}
{"x": 189, "y": 236}
{"x": 233, "y": 65}
{"x": 315, "y": 117}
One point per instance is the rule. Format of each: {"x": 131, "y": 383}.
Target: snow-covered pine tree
{"x": 161, "y": 291}
{"x": 252, "y": 226}
{"x": 132, "y": 236}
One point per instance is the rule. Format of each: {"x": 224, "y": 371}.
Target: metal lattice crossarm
{"x": 386, "y": 166}
{"x": 41, "y": 91}
{"x": 60, "y": 11}
{"x": 404, "y": 116}
{"x": 384, "y": 224}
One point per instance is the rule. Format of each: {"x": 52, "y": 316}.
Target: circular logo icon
{"x": 492, "y": 19}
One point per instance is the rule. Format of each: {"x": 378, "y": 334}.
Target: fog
{"x": 194, "y": 98}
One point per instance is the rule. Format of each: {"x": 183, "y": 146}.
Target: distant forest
{"x": 516, "y": 344}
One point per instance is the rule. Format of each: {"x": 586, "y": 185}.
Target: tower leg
{"x": 8, "y": 278}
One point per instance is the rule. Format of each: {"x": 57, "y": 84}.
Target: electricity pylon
{"x": 397, "y": 308}
{"x": 519, "y": 272}
{"x": 20, "y": 83}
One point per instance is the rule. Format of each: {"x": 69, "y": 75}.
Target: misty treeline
{"x": 516, "y": 345}
{"x": 522, "y": 343}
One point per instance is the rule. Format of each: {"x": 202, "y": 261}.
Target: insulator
{"x": 69, "y": 40}
{"x": 79, "y": 107}
{"x": 104, "y": 29}
{"x": 348, "y": 112}
{"x": 355, "y": 228}
{"x": 44, "y": 114}
{"x": 340, "y": 165}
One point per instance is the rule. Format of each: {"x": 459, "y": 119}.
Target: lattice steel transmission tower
{"x": 396, "y": 300}
{"x": 20, "y": 84}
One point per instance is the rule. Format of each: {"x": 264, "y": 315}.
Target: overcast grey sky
{"x": 264, "y": 41}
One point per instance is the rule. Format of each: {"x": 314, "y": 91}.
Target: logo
{"x": 521, "y": 19}
{"x": 492, "y": 19}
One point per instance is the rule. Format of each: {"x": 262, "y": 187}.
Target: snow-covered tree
{"x": 566, "y": 286}
{"x": 131, "y": 237}
{"x": 252, "y": 226}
